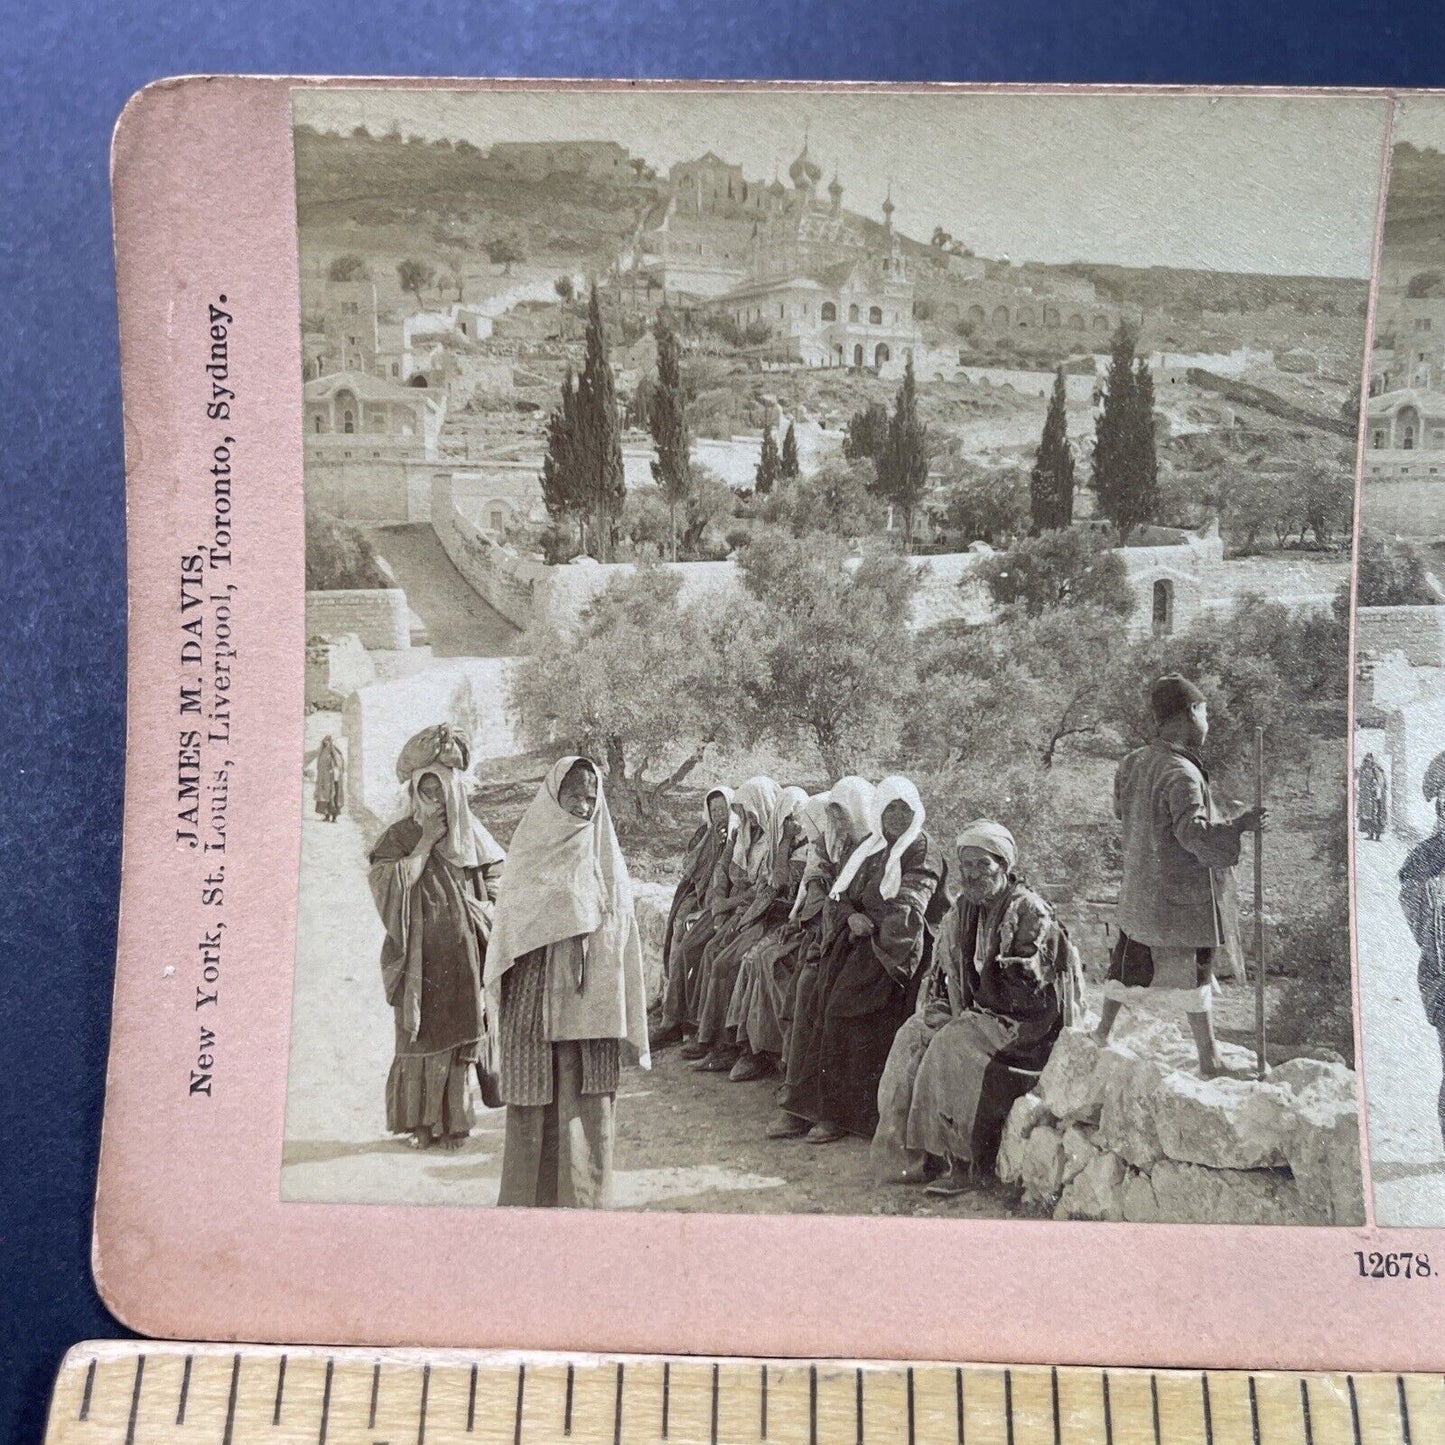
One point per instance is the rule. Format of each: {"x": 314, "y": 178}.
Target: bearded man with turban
{"x": 434, "y": 876}
{"x": 1005, "y": 979}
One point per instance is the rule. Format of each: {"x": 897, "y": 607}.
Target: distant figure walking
{"x": 434, "y": 875}
{"x": 1370, "y": 794}
{"x": 1422, "y": 898}
{"x": 565, "y": 986}
{"x": 1177, "y": 905}
{"x": 330, "y": 780}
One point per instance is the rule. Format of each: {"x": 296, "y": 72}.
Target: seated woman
{"x": 1003, "y": 982}
{"x": 565, "y": 966}
{"x": 434, "y": 874}
{"x": 704, "y": 850}
{"x": 764, "y": 989}
{"x": 874, "y": 943}
{"x": 718, "y": 895}
{"x": 747, "y": 866}
{"x": 767, "y": 908}
{"x": 848, "y": 816}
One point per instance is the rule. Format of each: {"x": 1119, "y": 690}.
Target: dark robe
{"x": 1370, "y": 798}
{"x": 848, "y": 1011}
{"x": 689, "y": 900}
{"x": 759, "y": 1008}
{"x": 726, "y": 882}
{"x": 431, "y": 966}
{"x": 1002, "y": 984}
{"x": 330, "y": 781}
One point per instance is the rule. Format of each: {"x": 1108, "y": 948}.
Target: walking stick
{"x": 1260, "y": 1064}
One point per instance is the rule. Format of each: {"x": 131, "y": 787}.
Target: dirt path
{"x": 458, "y": 622}
{"x": 684, "y": 1140}
{"x": 1401, "y": 1052}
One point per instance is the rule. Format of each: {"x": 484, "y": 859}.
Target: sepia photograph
{"x": 827, "y": 658}
{"x": 1400, "y": 686}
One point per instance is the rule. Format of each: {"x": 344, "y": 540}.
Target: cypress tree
{"x": 903, "y": 463}
{"x": 1125, "y": 469}
{"x": 599, "y": 433}
{"x": 563, "y": 491}
{"x": 1144, "y": 495}
{"x": 769, "y": 464}
{"x": 1051, "y": 483}
{"x": 667, "y": 417}
{"x": 790, "y": 467}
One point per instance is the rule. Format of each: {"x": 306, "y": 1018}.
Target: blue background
{"x": 65, "y": 71}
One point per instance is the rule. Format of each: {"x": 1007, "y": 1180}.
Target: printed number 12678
{"x": 1393, "y": 1266}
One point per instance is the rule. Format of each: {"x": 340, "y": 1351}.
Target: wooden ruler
{"x": 147, "y": 1393}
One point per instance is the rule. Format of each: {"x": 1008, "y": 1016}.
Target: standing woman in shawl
{"x": 565, "y": 964}
{"x": 330, "y": 780}
{"x": 434, "y": 875}
{"x": 848, "y": 819}
{"x": 707, "y": 845}
{"x": 873, "y": 946}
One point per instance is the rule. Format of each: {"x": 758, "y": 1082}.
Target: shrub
{"x": 339, "y": 557}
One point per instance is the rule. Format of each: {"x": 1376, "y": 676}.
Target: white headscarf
{"x": 756, "y": 799}
{"x": 814, "y": 818}
{"x": 890, "y": 790}
{"x": 853, "y": 796}
{"x": 726, "y": 794}
{"x": 466, "y": 844}
{"x": 791, "y": 804}
{"x": 566, "y": 877}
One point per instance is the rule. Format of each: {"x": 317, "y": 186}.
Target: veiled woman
{"x": 330, "y": 780}
{"x": 733, "y": 886}
{"x": 760, "y": 1011}
{"x": 434, "y": 874}
{"x": 707, "y": 845}
{"x": 848, "y": 821}
{"x": 766, "y": 905}
{"x": 873, "y": 947}
{"x": 565, "y": 966}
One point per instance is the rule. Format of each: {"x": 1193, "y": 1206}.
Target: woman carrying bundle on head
{"x": 705, "y": 850}
{"x": 874, "y": 943}
{"x": 564, "y": 976}
{"x": 434, "y": 874}
{"x": 750, "y": 870}
{"x": 760, "y": 1010}
{"x": 848, "y": 816}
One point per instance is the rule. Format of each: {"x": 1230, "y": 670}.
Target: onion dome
{"x": 805, "y": 171}
{"x": 835, "y": 186}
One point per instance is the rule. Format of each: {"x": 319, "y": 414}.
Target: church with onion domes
{"x": 831, "y": 289}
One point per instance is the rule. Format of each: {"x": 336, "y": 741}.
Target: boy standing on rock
{"x": 1176, "y": 907}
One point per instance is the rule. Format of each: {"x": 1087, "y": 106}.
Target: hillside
{"x": 1187, "y": 293}
{"x": 378, "y": 183}
{"x": 1415, "y": 206}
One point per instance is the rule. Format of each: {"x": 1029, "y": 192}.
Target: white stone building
{"x": 1405, "y": 434}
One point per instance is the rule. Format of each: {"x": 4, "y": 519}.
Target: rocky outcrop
{"x": 652, "y": 902}
{"x": 1132, "y": 1132}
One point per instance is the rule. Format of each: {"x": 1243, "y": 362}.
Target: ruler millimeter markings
{"x": 149, "y": 1393}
